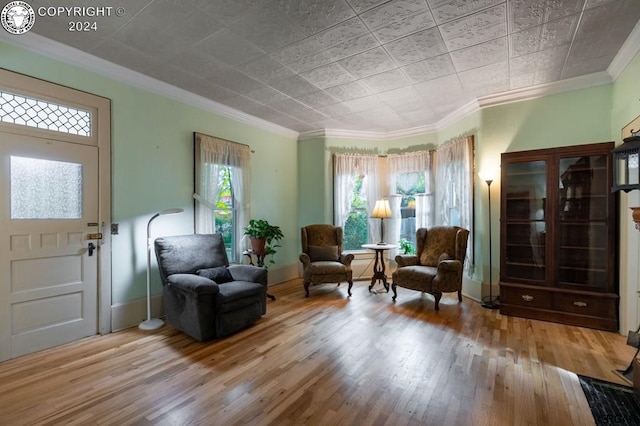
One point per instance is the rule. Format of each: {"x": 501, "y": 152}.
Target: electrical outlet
{"x": 633, "y": 339}
{"x": 114, "y": 229}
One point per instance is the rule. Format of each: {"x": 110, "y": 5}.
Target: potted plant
{"x": 264, "y": 237}
{"x": 406, "y": 246}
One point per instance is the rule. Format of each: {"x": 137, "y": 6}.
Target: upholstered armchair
{"x": 322, "y": 258}
{"x": 204, "y": 296}
{"x": 437, "y": 266}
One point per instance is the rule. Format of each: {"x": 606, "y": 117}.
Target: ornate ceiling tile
{"x": 328, "y": 75}
{"x": 367, "y": 63}
{"x": 315, "y": 15}
{"x": 481, "y": 54}
{"x": 421, "y": 45}
{"x": 430, "y": 68}
{"x": 482, "y": 26}
{"x": 448, "y": 10}
{"x": 348, "y": 91}
{"x": 385, "y": 81}
{"x": 398, "y": 18}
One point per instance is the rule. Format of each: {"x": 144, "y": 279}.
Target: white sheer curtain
{"x": 454, "y": 180}
{"x": 414, "y": 162}
{"x": 212, "y": 153}
{"x": 345, "y": 168}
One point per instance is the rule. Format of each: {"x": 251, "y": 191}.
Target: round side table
{"x": 378, "y": 265}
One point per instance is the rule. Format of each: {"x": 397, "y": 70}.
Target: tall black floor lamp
{"x": 490, "y": 302}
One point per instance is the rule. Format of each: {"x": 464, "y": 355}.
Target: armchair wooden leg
{"x": 437, "y": 296}
{"x": 459, "y": 295}
{"x": 393, "y": 288}
{"x": 350, "y": 285}
{"x": 306, "y": 289}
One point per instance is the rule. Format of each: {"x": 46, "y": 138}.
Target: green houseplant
{"x": 264, "y": 237}
{"x": 406, "y": 246}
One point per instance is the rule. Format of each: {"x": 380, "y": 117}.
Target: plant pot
{"x": 257, "y": 244}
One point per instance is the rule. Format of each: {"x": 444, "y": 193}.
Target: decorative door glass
{"x": 45, "y": 189}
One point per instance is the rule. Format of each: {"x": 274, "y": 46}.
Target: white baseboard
{"x": 279, "y": 274}
{"x": 130, "y": 314}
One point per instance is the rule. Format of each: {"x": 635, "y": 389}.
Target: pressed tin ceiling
{"x": 354, "y": 65}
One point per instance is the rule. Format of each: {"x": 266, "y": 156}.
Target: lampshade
{"x": 626, "y": 176}
{"x": 381, "y": 210}
{"x": 487, "y": 175}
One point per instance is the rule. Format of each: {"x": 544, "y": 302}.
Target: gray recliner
{"x": 204, "y": 296}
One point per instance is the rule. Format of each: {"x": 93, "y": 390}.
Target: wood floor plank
{"x": 323, "y": 360}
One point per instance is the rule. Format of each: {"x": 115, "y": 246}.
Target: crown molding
{"x": 516, "y": 95}
{"x": 541, "y": 90}
{"x": 625, "y": 55}
{"x": 357, "y": 134}
{"x": 72, "y": 56}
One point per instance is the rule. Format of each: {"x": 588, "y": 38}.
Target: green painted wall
{"x": 152, "y": 166}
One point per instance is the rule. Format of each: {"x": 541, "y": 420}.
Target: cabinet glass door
{"x": 583, "y": 211}
{"x": 525, "y": 220}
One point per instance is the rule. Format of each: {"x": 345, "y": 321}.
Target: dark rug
{"x": 610, "y": 403}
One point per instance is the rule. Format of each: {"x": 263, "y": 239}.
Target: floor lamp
{"x": 490, "y": 302}
{"x": 153, "y": 323}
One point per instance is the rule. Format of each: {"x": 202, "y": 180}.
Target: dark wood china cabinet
{"x": 558, "y": 236}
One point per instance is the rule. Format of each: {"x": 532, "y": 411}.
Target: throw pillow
{"x": 444, "y": 256}
{"x": 219, "y": 274}
{"x": 318, "y": 253}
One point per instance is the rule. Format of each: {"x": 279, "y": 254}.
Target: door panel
{"x": 48, "y": 280}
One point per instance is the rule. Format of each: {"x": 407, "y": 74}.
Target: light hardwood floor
{"x": 328, "y": 359}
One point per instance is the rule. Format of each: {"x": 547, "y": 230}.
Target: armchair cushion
{"x": 219, "y": 274}
{"x": 319, "y": 253}
{"x": 439, "y": 243}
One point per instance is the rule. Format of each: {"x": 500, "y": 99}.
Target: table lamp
{"x": 381, "y": 211}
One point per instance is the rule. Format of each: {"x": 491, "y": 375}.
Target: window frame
{"x": 205, "y": 206}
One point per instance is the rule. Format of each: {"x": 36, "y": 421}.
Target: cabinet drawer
{"x": 592, "y": 305}
{"x": 526, "y": 297}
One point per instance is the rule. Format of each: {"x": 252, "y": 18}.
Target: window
{"x": 422, "y": 192}
{"x": 222, "y": 182}
{"x": 355, "y": 193}
{"x": 410, "y": 177}
{"x": 408, "y": 185}
{"x": 356, "y": 226}
{"x": 43, "y": 114}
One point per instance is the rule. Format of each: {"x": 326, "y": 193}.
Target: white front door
{"x": 48, "y": 259}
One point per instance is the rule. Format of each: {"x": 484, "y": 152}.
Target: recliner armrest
{"x": 193, "y": 283}
{"x": 407, "y": 260}
{"x": 254, "y": 274}
{"x": 346, "y": 259}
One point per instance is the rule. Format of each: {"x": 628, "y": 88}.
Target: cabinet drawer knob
{"x": 580, "y": 304}
{"x": 527, "y": 298}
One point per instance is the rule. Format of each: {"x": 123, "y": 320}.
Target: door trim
{"x": 101, "y": 137}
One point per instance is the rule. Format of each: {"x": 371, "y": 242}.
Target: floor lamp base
{"x": 151, "y": 324}
{"x": 490, "y": 302}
